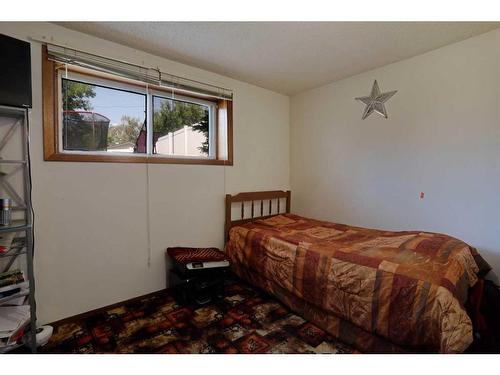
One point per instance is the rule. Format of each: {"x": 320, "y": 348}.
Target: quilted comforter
{"x": 408, "y": 288}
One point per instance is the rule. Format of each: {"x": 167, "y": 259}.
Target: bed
{"x": 380, "y": 291}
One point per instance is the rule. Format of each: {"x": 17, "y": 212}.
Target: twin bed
{"x": 379, "y": 291}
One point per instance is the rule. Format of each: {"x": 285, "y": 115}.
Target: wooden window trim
{"x": 50, "y": 108}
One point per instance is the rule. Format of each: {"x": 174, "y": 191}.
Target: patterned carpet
{"x": 245, "y": 321}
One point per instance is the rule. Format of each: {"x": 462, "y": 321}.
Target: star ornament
{"x": 375, "y": 102}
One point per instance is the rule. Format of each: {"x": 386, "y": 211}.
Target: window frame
{"x": 97, "y": 82}
{"x": 212, "y": 105}
{"x": 53, "y": 151}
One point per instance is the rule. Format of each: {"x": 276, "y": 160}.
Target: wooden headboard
{"x": 261, "y": 206}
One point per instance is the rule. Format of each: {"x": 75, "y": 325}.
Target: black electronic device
{"x": 15, "y": 72}
{"x": 199, "y": 289}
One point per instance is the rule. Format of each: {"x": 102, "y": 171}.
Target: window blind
{"x": 135, "y": 72}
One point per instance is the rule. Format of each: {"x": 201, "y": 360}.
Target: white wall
{"x": 91, "y": 235}
{"x": 442, "y": 138}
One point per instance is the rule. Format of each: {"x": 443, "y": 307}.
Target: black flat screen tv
{"x": 15, "y": 72}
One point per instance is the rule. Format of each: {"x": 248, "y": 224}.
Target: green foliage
{"x": 87, "y": 132}
{"x": 170, "y": 117}
{"x": 76, "y": 95}
{"x": 174, "y": 115}
{"x": 127, "y": 131}
{"x": 202, "y": 126}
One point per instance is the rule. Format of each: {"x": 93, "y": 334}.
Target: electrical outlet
{"x": 422, "y": 195}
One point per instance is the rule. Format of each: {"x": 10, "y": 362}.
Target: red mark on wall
{"x": 422, "y": 195}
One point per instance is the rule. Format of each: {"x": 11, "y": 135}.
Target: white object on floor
{"x": 43, "y": 335}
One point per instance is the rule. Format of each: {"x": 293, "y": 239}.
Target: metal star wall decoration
{"x": 375, "y": 102}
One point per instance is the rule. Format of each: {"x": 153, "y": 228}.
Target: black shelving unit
{"x": 15, "y": 120}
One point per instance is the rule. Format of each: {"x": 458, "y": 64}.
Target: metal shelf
{"x": 21, "y": 197}
{"x": 16, "y": 226}
{"x": 16, "y": 112}
{"x": 12, "y": 253}
{"x": 18, "y": 208}
{"x": 4, "y": 161}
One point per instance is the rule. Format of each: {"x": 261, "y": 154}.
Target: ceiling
{"x": 286, "y": 57}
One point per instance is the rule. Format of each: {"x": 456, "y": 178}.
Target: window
{"x": 183, "y": 128}
{"x": 101, "y": 117}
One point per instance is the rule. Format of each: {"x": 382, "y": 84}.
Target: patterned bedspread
{"x": 407, "y": 287}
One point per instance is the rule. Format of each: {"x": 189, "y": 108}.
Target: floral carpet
{"x": 245, "y": 321}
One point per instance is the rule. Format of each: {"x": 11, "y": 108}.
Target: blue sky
{"x": 114, "y": 104}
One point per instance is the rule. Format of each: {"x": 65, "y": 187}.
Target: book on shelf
{"x": 10, "y": 292}
{"x": 12, "y": 283}
{"x": 14, "y": 315}
{"x": 11, "y": 277}
{"x": 13, "y": 320}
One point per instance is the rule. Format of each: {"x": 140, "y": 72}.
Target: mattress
{"x": 406, "y": 288}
